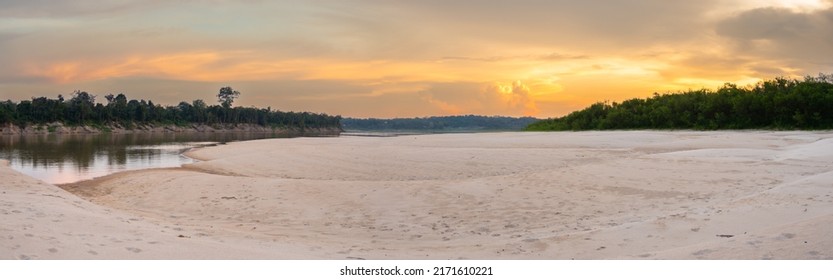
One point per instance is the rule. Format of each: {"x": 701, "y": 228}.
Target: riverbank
{"x": 42, "y": 221}
{"x": 582, "y": 195}
{"x": 60, "y": 128}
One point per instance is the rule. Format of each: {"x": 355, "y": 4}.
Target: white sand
{"x": 586, "y": 195}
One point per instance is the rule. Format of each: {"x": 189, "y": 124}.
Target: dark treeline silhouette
{"x": 82, "y": 109}
{"x": 447, "y": 123}
{"x": 780, "y": 103}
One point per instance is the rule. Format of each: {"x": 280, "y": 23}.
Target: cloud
{"x": 515, "y": 96}
{"x": 53, "y": 9}
{"x": 445, "y": 107}
{"x": 801, "y": 40}
{"x": 608, "y": 25}
{"x": 769, "y": 24}
{"x": 549, "y": 57}
{"x": 561, "y": 56}
{"x": 407, "y": 58}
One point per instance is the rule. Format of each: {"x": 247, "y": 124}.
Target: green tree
{"x": 779, "y": 103}
{"x": 226, "y": 96}
{"x": 199, "y": 110}
{"x": 81, "y": 106}
{"x": 8, "y": 110}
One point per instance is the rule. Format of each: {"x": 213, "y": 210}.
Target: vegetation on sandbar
{"x": 779, "y": 103}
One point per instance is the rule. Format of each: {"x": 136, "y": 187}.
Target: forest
{"x": 445, "y": 123}
{"x": 82, "y": 109}
{"x": 780, "y": 103}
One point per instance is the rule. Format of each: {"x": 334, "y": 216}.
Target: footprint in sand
{"x": 786, "y": 236}
{"x": 702, "y": 252}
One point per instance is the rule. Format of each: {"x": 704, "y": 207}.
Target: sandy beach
{"x": 570, "y": 195}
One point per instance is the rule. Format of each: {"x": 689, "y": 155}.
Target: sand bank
{"x": 585, "y": 195}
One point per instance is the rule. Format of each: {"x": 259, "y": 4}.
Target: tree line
{"x": 445, "y": 123}
{"x": 82, "y": 109}
{"x": 780, "y": 103}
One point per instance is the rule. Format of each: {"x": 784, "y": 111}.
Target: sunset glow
{"x": 407, "y": 58}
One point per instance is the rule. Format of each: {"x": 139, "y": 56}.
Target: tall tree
{"x": 226, "y": 96}
{"x": 82, "y": 105}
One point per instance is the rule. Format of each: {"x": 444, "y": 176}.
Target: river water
{"x": 60, "y": 159}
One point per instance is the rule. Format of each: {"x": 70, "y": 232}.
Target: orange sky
{"x": 369, "y": 58}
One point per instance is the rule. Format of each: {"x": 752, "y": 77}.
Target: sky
{"x": 397, "y": 58}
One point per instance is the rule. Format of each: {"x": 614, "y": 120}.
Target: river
{"x": 61, "y": 159}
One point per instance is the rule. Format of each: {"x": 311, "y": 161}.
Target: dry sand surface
{"x": 582, "y": 195}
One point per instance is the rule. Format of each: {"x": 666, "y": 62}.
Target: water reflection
{"x": 59, "y": 159}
